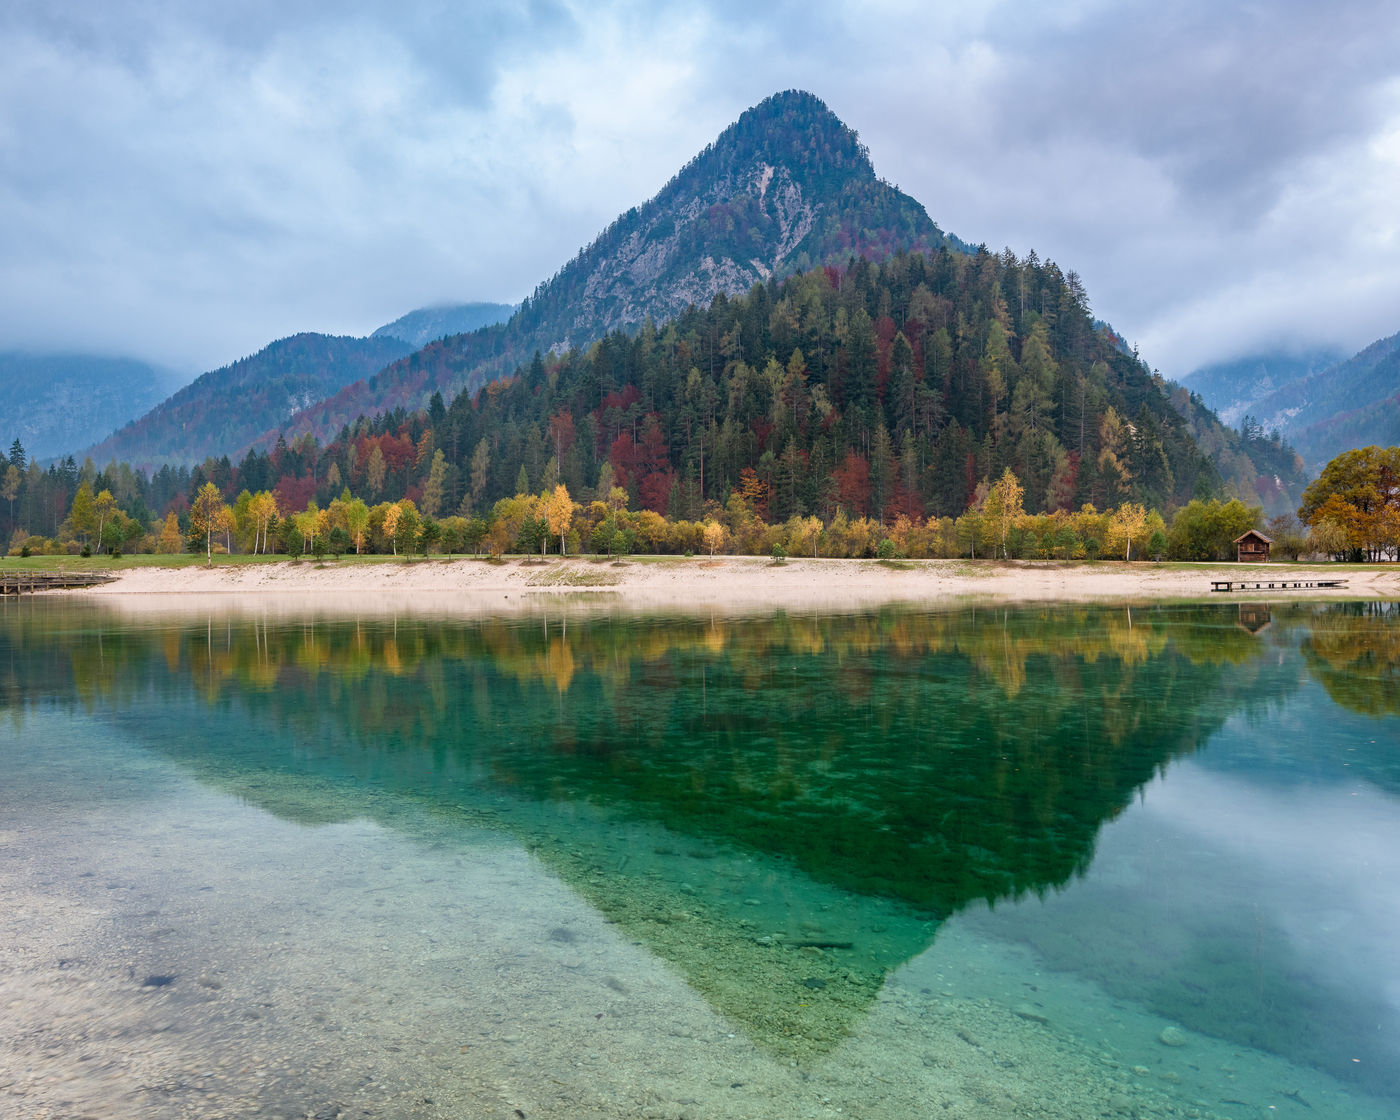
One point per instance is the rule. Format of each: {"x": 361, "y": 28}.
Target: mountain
{"x": 783, "y": 215}
{"x": 1352, "y": 404}
{"x": 225, "y": 409}
{"x": 1234, "y": 389}
{"x": 1320, "y": 403}
{"x": 785, "y": 188}
{"x": 418, "y": 328}
{"x": 57, "y": 402}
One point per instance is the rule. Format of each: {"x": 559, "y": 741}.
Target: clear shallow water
{"x": 1061, "y": 862}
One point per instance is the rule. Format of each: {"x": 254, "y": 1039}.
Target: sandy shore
{"x": 729, "y": 582}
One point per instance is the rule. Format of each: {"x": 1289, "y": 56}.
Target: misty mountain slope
{"x": 786, "y": 187}
{"x": 1322, "y": 407}
{"x": 225, "y": 409}
{"x": 420, "y": 327}
{"x": 1351, "y": 404}
{"x": 56, "y": 403}
{"x": 1235, "y": 389}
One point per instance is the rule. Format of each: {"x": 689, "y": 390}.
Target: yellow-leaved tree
{"x": 1003, "y": 505}
{"x": 1128, "y": 523}
{"x": 206, "y": 516}
{"x": 559, "y": 513}
{"x": 170, "y": 541}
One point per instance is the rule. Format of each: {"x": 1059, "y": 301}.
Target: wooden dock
{"x": 1275, "y": 584}
{"x": 23, "y": 582}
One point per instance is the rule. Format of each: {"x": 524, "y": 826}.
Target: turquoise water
{"x": 971, "y": 862}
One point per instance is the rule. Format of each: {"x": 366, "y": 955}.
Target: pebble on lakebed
{"x": 1172, "y": 1036}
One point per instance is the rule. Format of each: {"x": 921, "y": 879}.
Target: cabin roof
{"x": 1252, "y": 533}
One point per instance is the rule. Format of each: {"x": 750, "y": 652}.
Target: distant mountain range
{"x": 1234, "y": 389}
{"x": 57, "y": 403}
{"x": 1320, "y": 403}
{"x": 226, "y": 409}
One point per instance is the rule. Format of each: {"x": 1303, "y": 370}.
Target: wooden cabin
{"x": 1253, "y": 547}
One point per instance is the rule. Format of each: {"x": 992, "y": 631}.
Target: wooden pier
{"x": 1275, "y": 584}
{"x": 27, "y": 582}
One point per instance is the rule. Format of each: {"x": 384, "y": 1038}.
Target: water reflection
{"x": 784, "y": 808}
{"x": 1354, "y": 651}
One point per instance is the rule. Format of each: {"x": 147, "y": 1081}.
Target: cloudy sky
{"x": 184, "y": 181}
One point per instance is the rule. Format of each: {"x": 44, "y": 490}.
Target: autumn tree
{"x": 431, "y": 502}
{"x": 559, "y": 512}
{"x": 103, "y": 508}
{"x": 1358, "y": 491}
{"x": 1003, "y": 505}
{"x": 262, "y": 508}
{"x": 80, "y": 516}
{"x": 392, "y": 514}
{"x": 1127, "y": 524}
{"x": 205, "y": 516}
{"x": 170, "y": 541}
{"x": 356, "y": 522}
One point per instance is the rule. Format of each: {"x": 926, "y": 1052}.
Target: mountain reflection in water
{"x": 784, "y": 807}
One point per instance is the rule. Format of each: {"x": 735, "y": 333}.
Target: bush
{"x": 779, "y": 554}
{"x": 24, "y": 551}
{"x": 886, "y": 550}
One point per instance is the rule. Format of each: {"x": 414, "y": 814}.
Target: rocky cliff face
{"x": 654, "y": 271}
{"x": 786, "y": 187}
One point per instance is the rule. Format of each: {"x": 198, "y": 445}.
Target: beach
{"x": 745, "y": 583}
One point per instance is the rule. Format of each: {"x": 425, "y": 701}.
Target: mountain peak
{"x": 794, "y": 129}
{"x": 786, "y": 187}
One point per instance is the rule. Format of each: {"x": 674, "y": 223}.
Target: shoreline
{"x": 739, "y": 582}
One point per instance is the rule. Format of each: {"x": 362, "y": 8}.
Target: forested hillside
{"x": 877, "y": 389}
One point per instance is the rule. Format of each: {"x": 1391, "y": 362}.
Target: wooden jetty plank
{"x": 27, "y": 580}
{"x": 1275, "y": 585}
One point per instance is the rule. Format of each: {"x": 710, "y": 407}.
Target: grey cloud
{"x": 185, "y": 182}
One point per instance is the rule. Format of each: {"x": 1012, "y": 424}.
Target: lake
{"x": 579, "y": 862}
